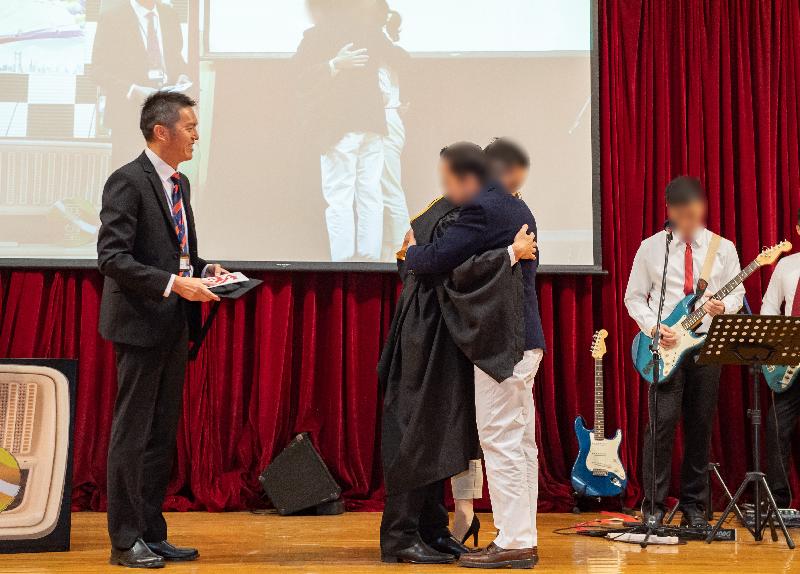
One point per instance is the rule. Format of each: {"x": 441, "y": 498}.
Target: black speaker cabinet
{"x": 298, "y": 480}
{"x": 36, "y": 422}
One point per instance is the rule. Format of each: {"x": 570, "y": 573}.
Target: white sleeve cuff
{"x": 512, "y": 255}
{"x": 207, "y": 271}
{"x": 168, "y": 290}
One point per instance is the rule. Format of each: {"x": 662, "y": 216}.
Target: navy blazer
{"x": 490, "y": 221}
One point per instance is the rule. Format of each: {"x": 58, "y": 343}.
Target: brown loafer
{"x": 495, "y": 557}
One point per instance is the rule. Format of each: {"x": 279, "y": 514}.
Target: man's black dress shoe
{"x": 694, "y": 518}
{"x": 172, "y": 553}
{"x": 137, "y": 556}
{"x": 420, "y": 553}
{"x": 448, "y": 545}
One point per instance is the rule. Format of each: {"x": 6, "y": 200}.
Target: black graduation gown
{"x": 429, "y": 429}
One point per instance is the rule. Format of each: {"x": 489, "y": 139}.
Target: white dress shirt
{"x": 644, "y": 285}
{"x": 782, "y": 286}
{"x": 142, "y": 19}
{"x": 165, "y": 173}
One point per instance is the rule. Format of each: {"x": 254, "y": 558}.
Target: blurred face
{"x": 688, "y": 219}
{"x": 176, "y": 145}
{"x": 514, "y": 179}
{"x": 459, "y": 190}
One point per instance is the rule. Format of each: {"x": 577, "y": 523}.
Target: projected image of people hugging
{"x": 349, "y": 97}
{"x": 320, "y": 121}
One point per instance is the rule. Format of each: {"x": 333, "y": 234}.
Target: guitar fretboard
{"x": 599, "y": 431}
{"x": 696, "y": 316}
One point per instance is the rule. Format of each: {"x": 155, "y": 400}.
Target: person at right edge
{"x": 785, "y": 412}
{"x": 504, "y": 405}
{"x": 691, "y": 392}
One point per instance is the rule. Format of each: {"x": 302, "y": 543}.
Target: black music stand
{"x": 753, "y": 340}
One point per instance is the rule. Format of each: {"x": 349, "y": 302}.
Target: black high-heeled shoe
{"x": 473, "y": 531}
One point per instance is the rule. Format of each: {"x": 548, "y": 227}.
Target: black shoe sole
{"x": 388, "y": 559}
{"x": 155, "y": 565}
{"x": 189, "y": 558}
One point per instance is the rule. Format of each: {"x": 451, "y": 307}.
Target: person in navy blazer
{"x": 504, "y": 409}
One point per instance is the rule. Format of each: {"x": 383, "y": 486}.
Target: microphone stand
{"x": 652, "y": 526}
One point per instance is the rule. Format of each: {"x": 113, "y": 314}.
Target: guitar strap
{"x": 708, "y": 264}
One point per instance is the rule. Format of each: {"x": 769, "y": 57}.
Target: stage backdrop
{"x": 706, "y": 88}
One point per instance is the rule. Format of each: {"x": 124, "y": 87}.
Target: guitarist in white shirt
{"x": 782, "y": 418}
{"x": 691, "y": 392}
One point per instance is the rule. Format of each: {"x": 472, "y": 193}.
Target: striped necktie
{"x": 177, "y": 217}
{"x": 154, "y": 59}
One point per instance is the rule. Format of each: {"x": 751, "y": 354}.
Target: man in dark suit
{"x": 147, "y": 251}
{"x": 504, "y": 409}
{"x": 137, "y": 50}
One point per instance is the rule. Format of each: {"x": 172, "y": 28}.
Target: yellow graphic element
{"x": 10, "y": 479}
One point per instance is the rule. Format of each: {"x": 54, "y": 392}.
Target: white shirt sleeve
{"x": 774, "y": 297}
{"x": 731, "y": 268}
{"x": 511, "y": 254}
{"x": 168, "y": 290}
{"x": 638, "y": 292}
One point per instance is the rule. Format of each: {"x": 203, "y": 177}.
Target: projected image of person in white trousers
{"x": 351, "y": 177}
{"x": 394, "y": 198}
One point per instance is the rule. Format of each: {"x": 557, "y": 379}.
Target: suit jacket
{"x": 489, "y": 222}
{"x": 119, "y": 58}
{"x": 137, "y": 252}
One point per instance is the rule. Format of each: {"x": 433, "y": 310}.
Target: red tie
{"x": 796, "y": 302}
{"x": 688, "y": 280}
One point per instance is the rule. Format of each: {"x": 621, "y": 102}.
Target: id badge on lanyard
{"x": 185, "y": 265}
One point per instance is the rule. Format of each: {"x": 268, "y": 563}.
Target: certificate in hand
{"x": 227, "y": 279}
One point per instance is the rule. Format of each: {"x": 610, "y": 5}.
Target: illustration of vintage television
{"x": 35, "y": 416}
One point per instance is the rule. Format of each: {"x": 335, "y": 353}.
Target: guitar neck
{"x": 696, "y": 316}
{"x": 599, "y": 431}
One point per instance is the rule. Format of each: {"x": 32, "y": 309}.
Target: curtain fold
{"x": 701, "y": 87}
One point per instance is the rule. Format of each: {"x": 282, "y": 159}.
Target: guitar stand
{"x": 713, "y": 472}
{"x": 753, "y": 340}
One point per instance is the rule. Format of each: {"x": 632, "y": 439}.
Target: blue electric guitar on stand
{"x": 598, "y": 471}
{"x": 683, "y": 320}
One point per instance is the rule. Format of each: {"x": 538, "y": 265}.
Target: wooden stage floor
{"x": 244, "y": 542}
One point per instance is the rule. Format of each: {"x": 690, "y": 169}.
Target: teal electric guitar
{"x": 684, "y": 321}
{"x": 780, "y": 377}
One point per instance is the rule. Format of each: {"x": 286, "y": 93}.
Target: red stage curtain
{"x": 706, "y": 88}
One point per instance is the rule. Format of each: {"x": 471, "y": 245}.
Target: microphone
{"x": 668, "y": 229}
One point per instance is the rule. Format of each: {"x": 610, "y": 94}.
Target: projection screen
{"x": 302, "y": 162}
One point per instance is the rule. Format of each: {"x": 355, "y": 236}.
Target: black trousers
{"x": 143, "y": 431}
{"x": 779, "y": 442}
{"x": 412, "y": 516}
{"x": 690, "y": 394}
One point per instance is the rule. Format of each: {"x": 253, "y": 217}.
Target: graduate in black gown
{"x": 441, "y": 328}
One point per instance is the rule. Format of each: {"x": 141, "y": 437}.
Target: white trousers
{"x": 507, "y": 429}
{"x": 351, "y": 186}
{"x": 394, "y": 198}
